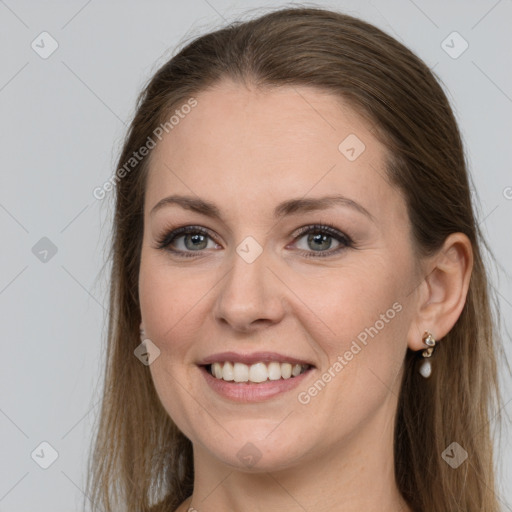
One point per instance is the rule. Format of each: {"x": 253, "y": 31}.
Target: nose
{"x": 250, "y": 296}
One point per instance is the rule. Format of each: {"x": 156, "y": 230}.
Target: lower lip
{"x": 250, "y": 391}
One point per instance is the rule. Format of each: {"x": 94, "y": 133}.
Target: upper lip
{"x": 255, "y": 357}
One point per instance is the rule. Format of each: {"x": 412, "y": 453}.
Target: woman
{"x": 295, "y": 240}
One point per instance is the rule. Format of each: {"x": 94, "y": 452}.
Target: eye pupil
{"x": 320, "y": 239}
{"x": 197, "y": 240}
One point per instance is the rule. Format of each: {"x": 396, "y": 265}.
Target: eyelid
{"x": 171, "y": 234}
{"x": 343, "y": 239}
{"x": 324, "y": 227}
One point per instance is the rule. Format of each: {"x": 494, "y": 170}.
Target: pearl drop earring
{"x": 426, "y": 366}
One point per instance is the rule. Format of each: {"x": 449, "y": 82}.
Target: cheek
{"x": 169, "y": 305}
{"x": 167, "y": 300}
{"x": 359, "y": 303}
{"x": 366, "y": 320}
{"x": 364, "y": 341}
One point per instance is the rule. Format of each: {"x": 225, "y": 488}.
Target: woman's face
{"x": 255, "y": 283}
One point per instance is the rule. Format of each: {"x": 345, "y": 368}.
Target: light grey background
{"x": 62, "y": 122}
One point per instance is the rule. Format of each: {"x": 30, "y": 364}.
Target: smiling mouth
{"x": 255, "y": 373}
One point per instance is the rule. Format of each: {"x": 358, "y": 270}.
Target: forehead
{"x": 255, "y": 147}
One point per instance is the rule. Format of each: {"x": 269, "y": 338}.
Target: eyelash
{"x": 346, "y": 242}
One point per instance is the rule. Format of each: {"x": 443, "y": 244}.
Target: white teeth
{"x": 258, "y": 372}
{"x": 241, "y": 372}
{"x": 217, "y": 370}
{"x": 286, "y": 370}
{"x": 227, "y": 372}
{"x": 274, "y": 371}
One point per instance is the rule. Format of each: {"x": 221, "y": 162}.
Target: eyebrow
{"x": 289, "y": 207}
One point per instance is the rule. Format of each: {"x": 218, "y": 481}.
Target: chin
{"x": 256, "y": 450}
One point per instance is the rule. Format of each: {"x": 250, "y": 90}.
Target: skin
{"x": 247, "y": 150}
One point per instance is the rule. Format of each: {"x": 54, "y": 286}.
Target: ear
{"x": 442, "y": 293}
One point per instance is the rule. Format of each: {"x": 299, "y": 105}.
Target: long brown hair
{"x": 140, "y": 460}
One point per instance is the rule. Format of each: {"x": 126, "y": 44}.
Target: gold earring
{"x": 426, "y": 366}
